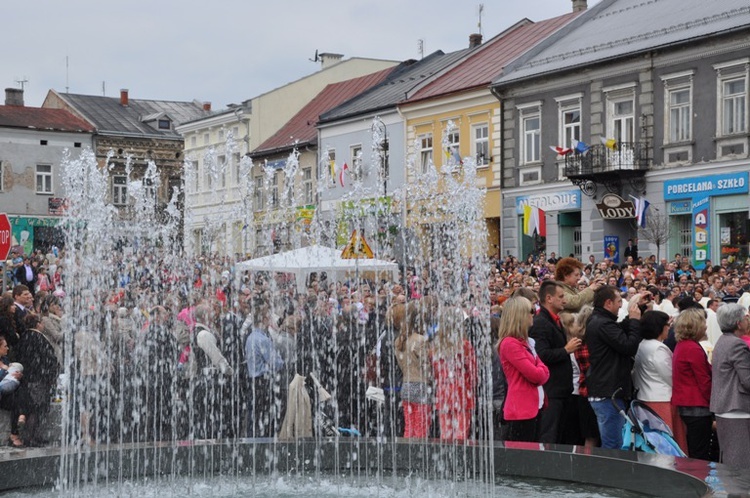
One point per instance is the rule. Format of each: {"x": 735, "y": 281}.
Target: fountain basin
{"x": 653, "y": 475}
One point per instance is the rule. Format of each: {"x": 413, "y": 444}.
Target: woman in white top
{"x": 652, "y": 372}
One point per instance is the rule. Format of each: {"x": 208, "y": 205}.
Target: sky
{"x": 227, "y": 51}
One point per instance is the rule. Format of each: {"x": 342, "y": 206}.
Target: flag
{"x": 341, "y": 173}
{"x": 534, "y": 220}
{"x": 451, "y": 152}
{"x": 332, "y": 166}
{"x": 609, "y": 143}
{"x": 580, "y": 147}
{"x": 641, "y": 205}
{"x": 561, "y": 151}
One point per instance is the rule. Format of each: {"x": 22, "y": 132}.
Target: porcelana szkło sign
{"x": 614, "y": 207}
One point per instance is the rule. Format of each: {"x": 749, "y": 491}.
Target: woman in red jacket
{"x": 691, "y": 382}
{"x": 524, "y": 371}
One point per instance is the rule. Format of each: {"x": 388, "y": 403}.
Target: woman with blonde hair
{"x": 691, "y": 381}
{"x": 524, "y": 371}
{"x": 454, "y": 367}
{"x": 412, "y": 358}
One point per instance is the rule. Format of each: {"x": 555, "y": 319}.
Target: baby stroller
{"x": 646, "y": 431}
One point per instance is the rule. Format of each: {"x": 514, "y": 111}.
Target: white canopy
{"x": 301, "y": 262}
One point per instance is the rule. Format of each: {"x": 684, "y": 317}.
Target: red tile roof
{"x": 17, "y": 116}
{"x": 480, "y": 68}
{"x": 302, "y": 127}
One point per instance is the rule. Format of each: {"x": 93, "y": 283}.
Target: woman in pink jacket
{"x": 524, "y": 371}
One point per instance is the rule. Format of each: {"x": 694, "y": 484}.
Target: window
{"x": 332, "y": 166}
{"x": 221, "y": 135}
{"x": 43, "y": 179}
{"x": 77, "y": 145}
{"x": 149, "y": 188}
{"x": 481, "y": 135}
{"x": 732, "y": 107}
{"x": 193, "y": 141}
{"x": 258, "y": 198}
{"x": 206, "y": 139}
{"x": 237, "y": 158}
{"x": 235, "y": 132}
{"x": 425, "y": 152}
{"x": 307, "y": 185}
{"x": 355, "y": 166}
{"x": 454, "y": 141}
{"x": 678, "y": 107}
{"x": 191, "y": 168}
{"x": 531, "y": 132}
{"x": 119, "y": 190}
{"x": 275, "y": 190}
{"x": 207, "y": 177}
{"x": 165, "y": 124}
{"x": 679, "y": 115}
{"x": 569, "y": 119}
{"x": 222, "y": 164}
{"x": 623, "y": 121}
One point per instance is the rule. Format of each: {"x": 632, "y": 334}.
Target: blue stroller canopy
{"x": 646, "y": 431}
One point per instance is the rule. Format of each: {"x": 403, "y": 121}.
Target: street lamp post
{"x": 380, "y": 137}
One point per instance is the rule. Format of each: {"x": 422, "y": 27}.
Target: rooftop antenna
{"x": 104, "y": 88}
{"x": 317, "y": 58}
{"x": 22, "y": 81}
{"x": 67, "y": 76}
{"x": 420, "y": 47}
{"x": 481, "y": 11}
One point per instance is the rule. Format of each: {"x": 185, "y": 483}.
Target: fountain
{"x": 138, "y": 422}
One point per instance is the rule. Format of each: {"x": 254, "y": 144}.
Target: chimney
{"x": 206, "y": 106}
{"x": 579, "y": 5}
{"x": 475, "y": 39}
{"x": 14, "y": 96}
{"x": 328, "y": 59}
{"x": 124, "y": 97}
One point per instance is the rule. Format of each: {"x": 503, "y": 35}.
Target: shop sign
{"x": 679, "y": 207}
{"x": 706, "y": 186}
{"x": 701, "y": 244}
{"x": 614, "y": 207}
{"x": 554, "y": 201}
{"x": 699, "y": 191}
{"x": 612, "y": 248}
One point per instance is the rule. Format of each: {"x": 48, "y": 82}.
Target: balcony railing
{"x": 628, "y": 159}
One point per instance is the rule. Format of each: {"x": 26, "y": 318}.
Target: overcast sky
{"x": 226, "y": 51}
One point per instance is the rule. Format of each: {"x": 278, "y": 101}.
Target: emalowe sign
{"x": 614, "y": 207}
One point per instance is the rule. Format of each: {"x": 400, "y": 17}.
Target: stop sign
{"x": 4, "y": 236}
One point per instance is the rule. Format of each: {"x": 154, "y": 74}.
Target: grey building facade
{"x": 654, "y": 97}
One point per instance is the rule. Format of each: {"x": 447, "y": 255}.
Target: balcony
{"x": 602, "y": 165}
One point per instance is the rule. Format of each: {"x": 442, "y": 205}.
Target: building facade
{"x": 654, "y": 111}
{"x": 220, "y": 220}
{"x": 33, "y": 144}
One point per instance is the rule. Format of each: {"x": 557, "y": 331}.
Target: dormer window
{"x": 165, "y": 124}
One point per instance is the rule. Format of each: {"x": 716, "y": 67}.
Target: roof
{"x": 301, "y": 129}
{"x": 618, "y": 28}
{"x": 405, "y": 78}
{"x": 488, "y": 61}
{"x": 107, "y": 115}
{"x": 17, "y": 116}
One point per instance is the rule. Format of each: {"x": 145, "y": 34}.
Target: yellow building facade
{"x": 443, "y": 129}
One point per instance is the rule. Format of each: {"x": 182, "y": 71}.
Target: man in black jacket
{"x": 612, "y": 347}
{"x": 554, "y": 349}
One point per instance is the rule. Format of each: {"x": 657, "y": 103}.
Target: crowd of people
{"x": 544, "y": 350}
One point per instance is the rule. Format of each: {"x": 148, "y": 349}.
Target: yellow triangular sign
{"x": 357, "y": 248}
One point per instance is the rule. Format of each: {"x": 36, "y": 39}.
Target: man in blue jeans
{"x": 612, "y": 347}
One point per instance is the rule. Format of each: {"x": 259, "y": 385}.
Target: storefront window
{"x": 733, "y": 236}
